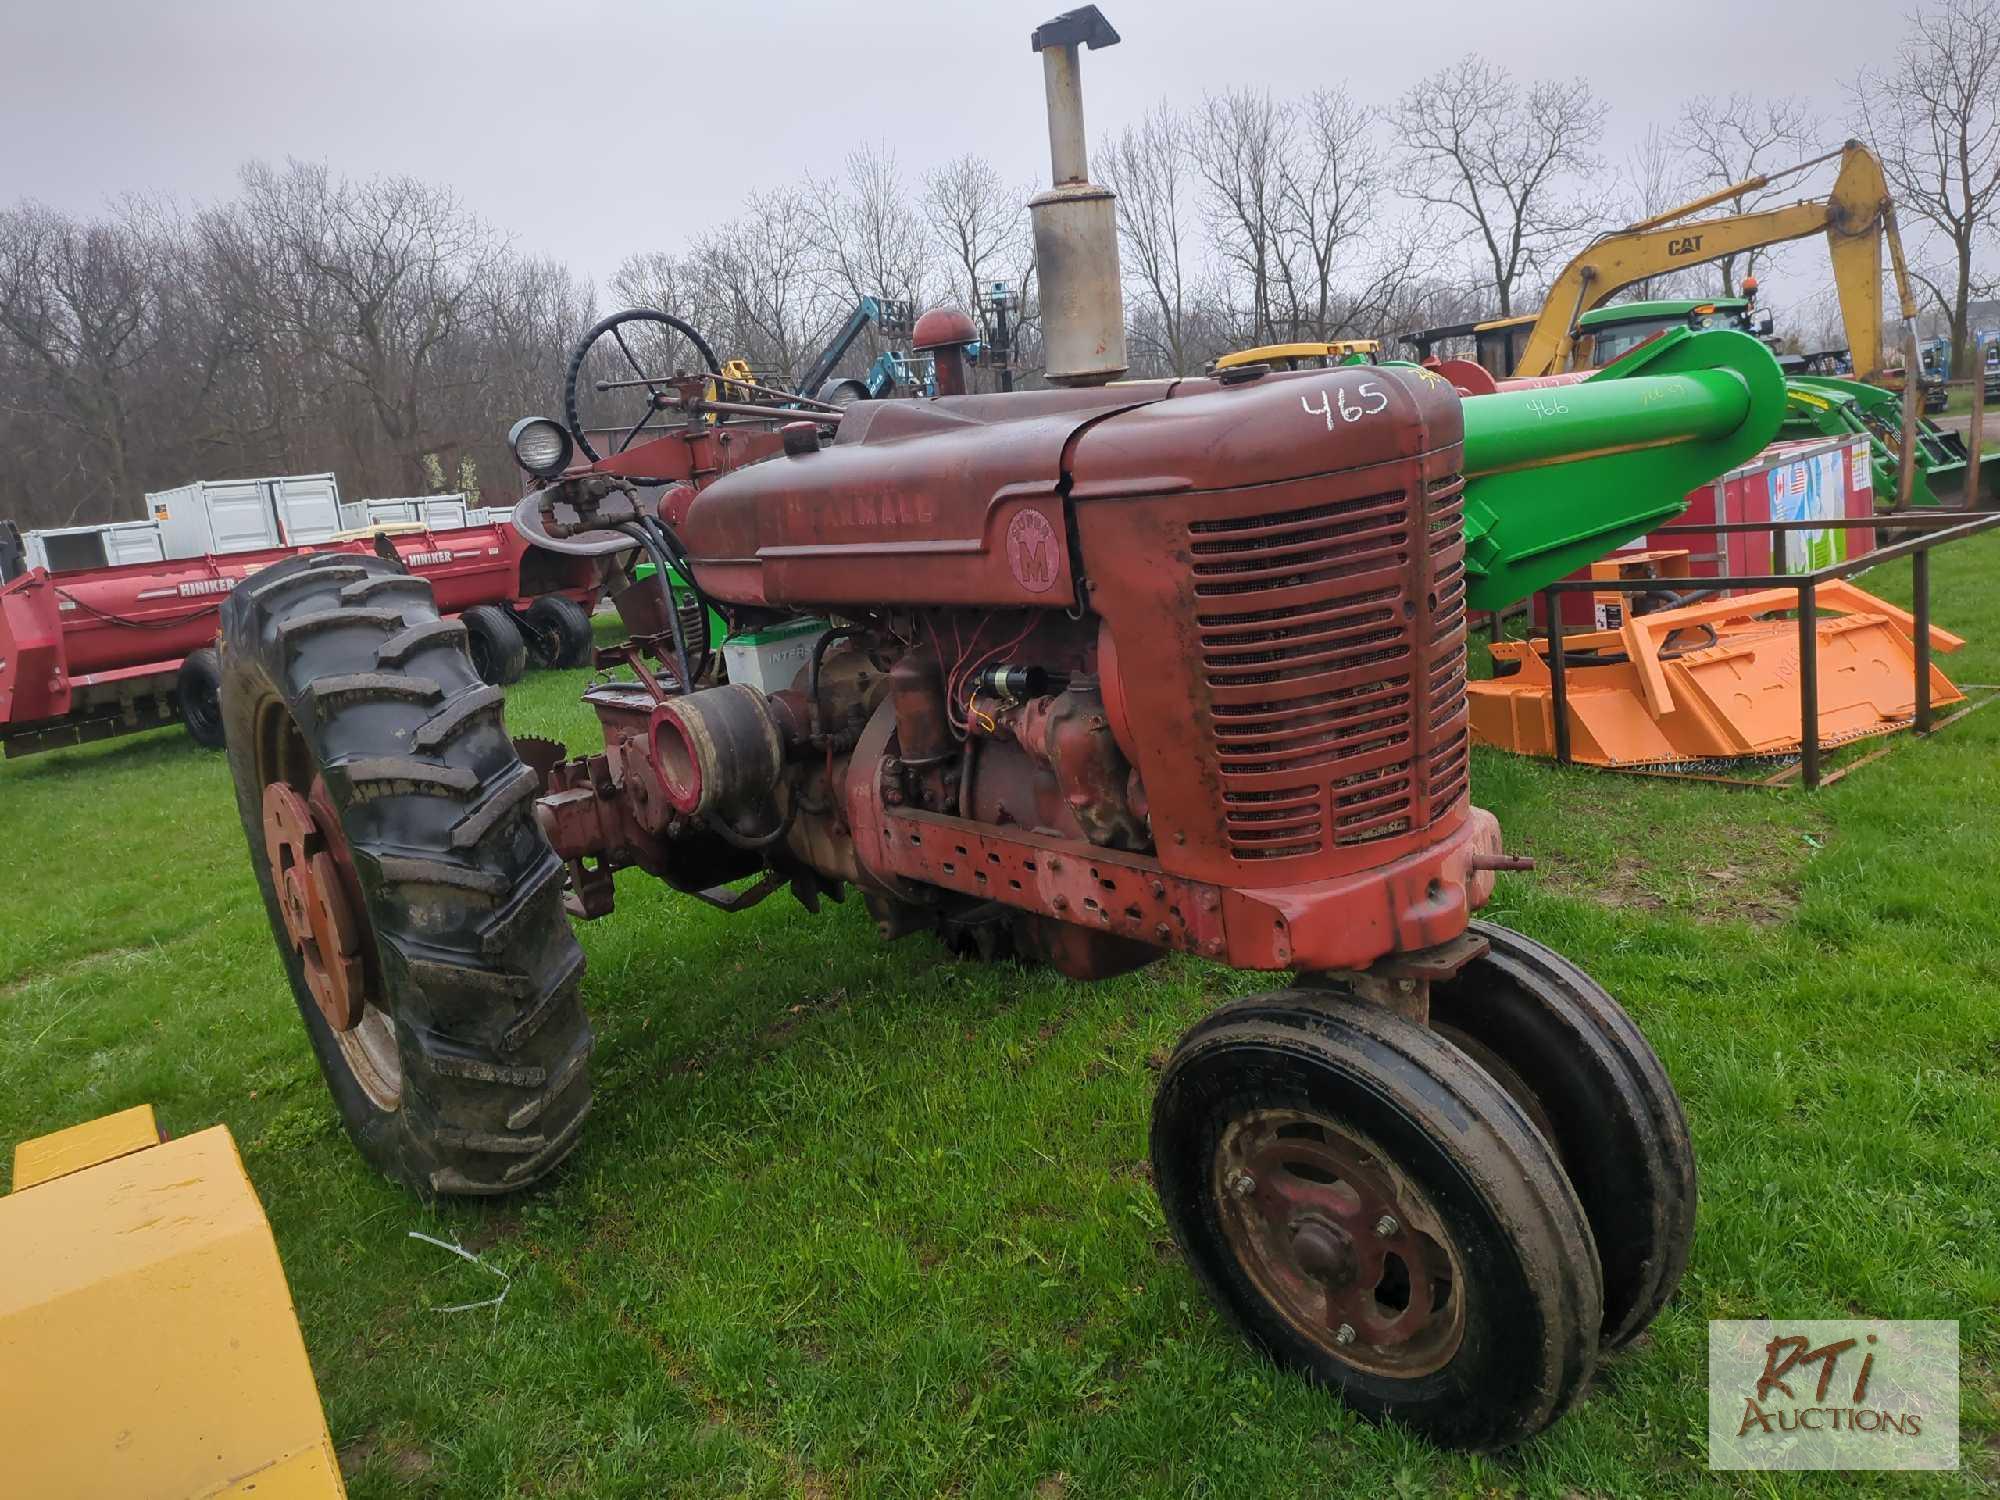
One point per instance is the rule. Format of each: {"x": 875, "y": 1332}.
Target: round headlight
{"x": 540, "y": 446}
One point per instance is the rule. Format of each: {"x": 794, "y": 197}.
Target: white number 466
{"x": 1373, "y": 400}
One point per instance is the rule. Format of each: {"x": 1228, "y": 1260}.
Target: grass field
{"x": 855, "y": 1220}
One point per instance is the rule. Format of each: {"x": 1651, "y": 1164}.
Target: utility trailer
{"x": 92, "y": 653}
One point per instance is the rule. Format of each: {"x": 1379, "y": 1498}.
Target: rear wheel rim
{"x": 1343, "y": 1246}
{"x": 323, "y": 915}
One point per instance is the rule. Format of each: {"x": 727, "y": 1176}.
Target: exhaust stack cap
{"x": 1076, "y": 221}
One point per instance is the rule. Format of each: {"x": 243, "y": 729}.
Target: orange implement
{"x": 1712, "y": 681}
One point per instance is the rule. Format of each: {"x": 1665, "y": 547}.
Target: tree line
{"x": 378, "y": 328}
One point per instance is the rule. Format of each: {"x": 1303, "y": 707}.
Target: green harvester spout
{"x": 1558, "y": 476}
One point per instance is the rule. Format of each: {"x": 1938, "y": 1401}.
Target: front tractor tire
{"x": 416, "y": 905}
{"x": 1371, "y": 1208}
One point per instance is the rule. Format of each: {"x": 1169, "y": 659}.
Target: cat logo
{"x": 1687, "y": 244}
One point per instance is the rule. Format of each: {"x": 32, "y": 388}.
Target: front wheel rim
{"x": 1346, "y": 1250}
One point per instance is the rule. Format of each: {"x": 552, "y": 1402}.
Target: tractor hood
{"x": 961, "y": 500}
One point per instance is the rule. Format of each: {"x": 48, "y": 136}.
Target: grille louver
{"x": 1332, "y": 642}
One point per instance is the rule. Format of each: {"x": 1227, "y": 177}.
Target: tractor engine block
{"x": 1199, "y": 685}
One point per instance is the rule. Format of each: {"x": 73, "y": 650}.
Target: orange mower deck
{"x": 1678, "y": 696}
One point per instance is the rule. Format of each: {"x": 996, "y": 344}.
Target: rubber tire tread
{"x": 195, "y": 689}
{"x": 1531, "y": 1340}
{"x": 1620, "y": 1131}
{"x": 506, "y": 649}
{"x": 471, "y": 949}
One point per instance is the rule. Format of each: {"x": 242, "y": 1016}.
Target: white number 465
{"x": 1373, "y": 400}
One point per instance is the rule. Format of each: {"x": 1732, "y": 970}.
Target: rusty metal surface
{"x": 1339, "y": 1243}
{"x": 1128, "y": 895}
{"x": 323, "y": 925}
{"x": 1274, "y": 614}
{"x": 971, "y": 515}
{"x": 1294, "y": 648}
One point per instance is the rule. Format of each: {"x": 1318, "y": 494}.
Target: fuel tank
{"x": 950, "y": 501}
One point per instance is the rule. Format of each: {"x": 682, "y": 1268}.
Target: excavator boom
{"x": 1854, "y": 216}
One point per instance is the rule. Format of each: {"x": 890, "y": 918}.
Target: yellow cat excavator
{"x": 1856, "y": 216}
{"x": 1914, "y": 462}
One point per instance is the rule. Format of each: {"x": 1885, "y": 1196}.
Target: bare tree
{"x": 1329, "y": 182}
{"x": 375, "y": 277}
{"x": 981, "y": 223}
{"x": 1657, "y": 178}
{"x": 1727, "y": 141}
{"x": 1240, "y": 142}
{"x": 1503, "y": 164}
{"x": 760, "y": 267}
{"x": 1151, "y": 166}
{"x": 872, "y": 239}
{"x": 79, "y": 308}
{"x": 1934, "y": 119}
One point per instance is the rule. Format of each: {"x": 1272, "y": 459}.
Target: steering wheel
{"x": 615, "y": 328}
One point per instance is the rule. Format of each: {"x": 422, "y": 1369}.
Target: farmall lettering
{"x": 871, "y": 512}
{"x": 1687, "y": 244}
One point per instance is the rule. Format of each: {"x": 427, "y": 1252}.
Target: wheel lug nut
{"x": 1344, "y": 1335}
{"x": 1387, "y": 1226}
{"x": 1241, "y": 1183}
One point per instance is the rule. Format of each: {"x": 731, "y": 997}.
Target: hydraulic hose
{"x": 663, "y": 570}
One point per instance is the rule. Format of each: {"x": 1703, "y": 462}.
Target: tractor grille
{"x": 1331, "y": 641}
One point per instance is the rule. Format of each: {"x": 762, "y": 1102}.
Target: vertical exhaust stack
{"x": 1076, "y": 221}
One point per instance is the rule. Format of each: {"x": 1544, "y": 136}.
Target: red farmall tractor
{"x": 1114, "y": 671}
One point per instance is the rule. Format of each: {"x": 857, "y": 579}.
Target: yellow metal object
{"x": 1298, "y": 356}
{"x": 1855, "y": 217}
{"x": 148, "y": 1346}
{"x": 50, "y": 1156}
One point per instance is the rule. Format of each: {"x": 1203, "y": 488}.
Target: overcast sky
{"x": 590, "y": 130}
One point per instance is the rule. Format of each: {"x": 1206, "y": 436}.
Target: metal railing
{"x": 1939, "y": 527}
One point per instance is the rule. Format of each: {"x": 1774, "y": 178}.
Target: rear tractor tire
{"x": 558, "y": 632}
{"x": 1371, "y": 1208}
{"x": 416, "y": 905}
{"x": 499, "y": 650}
